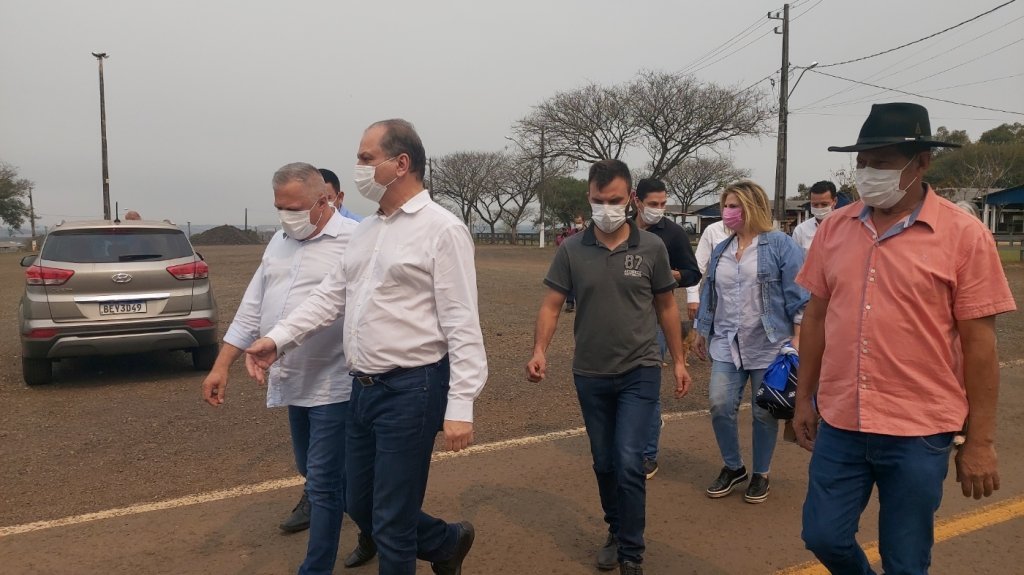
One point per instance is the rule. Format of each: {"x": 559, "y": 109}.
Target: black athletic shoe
{"x": 650, "y": 468}
{"x": 630, "y": 568}
{"x": 727, "y": 480}
{"x": 299, "y": 519}
{"x": 757, "y": 491}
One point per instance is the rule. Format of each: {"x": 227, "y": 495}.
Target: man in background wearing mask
{"x": 898, "y": 343}
{"x": 407, "y": 292}
{"x": 312, "y": 382}
{"x": 617, "y": 270}
{"x": 823, "y": 200}
{"x": 336, "y": 196}
{"x": 651, "y": 200}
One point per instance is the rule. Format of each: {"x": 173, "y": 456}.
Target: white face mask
{"x": 608, "y": 218}
{"x": 881, "y": 188}
{"x": 296, "y": 223}
{"x": 651, "y": 215}
{"x": 821, "y": 213}
{"x": 367, "y": 184}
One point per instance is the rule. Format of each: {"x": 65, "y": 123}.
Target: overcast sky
{"x": 206, "y": 99}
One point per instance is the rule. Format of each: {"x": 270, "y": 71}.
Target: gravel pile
{"x": 226, "y": 236}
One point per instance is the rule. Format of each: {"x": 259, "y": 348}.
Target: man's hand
{"x": 700, "y": 347}
{"x": 214, "y": 387}
{"x": 259, "y": 357}
{"x": 537, "y": 367}
{"x": 683, "y": 380}
{"x": 458, "y": 435}
{"x": 691, "y": 310}
{"x": 805, "y": 424}
{"x": 976, "y": 471}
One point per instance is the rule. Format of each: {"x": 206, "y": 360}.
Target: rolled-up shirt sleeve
{"x": 455, "y": 294}
{"x": 245, "y": 327}
{"x": 325, "y": 305}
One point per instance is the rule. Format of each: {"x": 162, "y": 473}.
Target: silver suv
{"x": 105, "y": 288}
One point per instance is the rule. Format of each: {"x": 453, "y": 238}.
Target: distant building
{"x": 11, "y": 246}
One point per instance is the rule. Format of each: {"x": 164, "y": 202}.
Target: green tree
{"x": 13, "y": 191}
{"x": 1004, "y": 134}
{"x": 944, "y": 134}
{"x": 980, "y": 165}
{"x": 564, "y": 199}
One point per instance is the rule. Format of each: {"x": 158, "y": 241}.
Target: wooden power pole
{"x": 103, "y": 139}
{"x": 780, "y": 161}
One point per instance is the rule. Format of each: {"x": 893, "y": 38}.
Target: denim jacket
{"x": 779, "y": 259}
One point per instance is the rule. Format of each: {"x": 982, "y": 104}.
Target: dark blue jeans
{"x": 909, "y": 472}
{"x": 319, "y": 434}
{"x": 617, "y": 412}
{"x": 391, "y": 431}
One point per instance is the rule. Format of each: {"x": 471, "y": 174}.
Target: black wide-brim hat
{"x": 896, "y": 123}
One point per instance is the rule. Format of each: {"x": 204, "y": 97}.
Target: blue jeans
{"x": 909, "y": 472}
{"x": 319, "y": 434}
{"x": 617, "y": 412}
{"x": 725, "y": 391}
{"x": 390, "y": 437}
{"x": 651, "y": 450}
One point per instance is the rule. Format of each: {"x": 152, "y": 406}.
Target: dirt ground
{"x": 115, "y": 431}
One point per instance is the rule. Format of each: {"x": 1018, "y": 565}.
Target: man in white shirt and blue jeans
{"x": 312, "y": 381}
{"x": 407, "y": 292}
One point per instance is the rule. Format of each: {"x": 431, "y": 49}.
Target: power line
{"x": 797, "y": 17}
{"x": 770, "y": 31}
{"x": 816, "y": 71}
{"x": 918, "y": 40}
{"x": 862, "y": 115}
{"x": 978, "y": 82}
{"x": 724, "y": 45}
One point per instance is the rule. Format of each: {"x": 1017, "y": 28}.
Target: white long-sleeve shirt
{"x": 803, "y": 234}
{"x": 407, "y": 291}
{"x": 316, "y": 374}
{"x": 712, "y": 235}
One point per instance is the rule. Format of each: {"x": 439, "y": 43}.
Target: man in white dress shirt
{"x": 407, "y": 292}
{"x": 711, "y": 237}
{"x": 823, "y": 201}
{"x": 312, "y": 381}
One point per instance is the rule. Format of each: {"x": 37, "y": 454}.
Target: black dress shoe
{"x": 365, "y": 550}
{"x": 299, "y": 519}
{"x": 453, "y": 565}
{"x": 630, "y": 568}
{"x": 608, "y": 554}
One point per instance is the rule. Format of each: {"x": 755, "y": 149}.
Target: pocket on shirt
{"x": 938, "y": 443}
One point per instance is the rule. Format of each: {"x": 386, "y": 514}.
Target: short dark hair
{"x": 603, "y": 172}
{"x": 400, "y": 137}
{"x": 648, "y": 186}
{"x": 911, "y": 149}
{"x": 824, "y": 186}
{"x": 332, "y": 179}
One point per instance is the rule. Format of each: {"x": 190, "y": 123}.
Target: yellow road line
{"x": 256, "y": 488}
{"x": 944, "y": 529}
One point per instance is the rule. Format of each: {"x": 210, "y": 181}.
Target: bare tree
{"x": 697, "y": 178}
{"x": 461, "y": 178}
{"x": 490, "y": 204}
{"x": 678, "y": 116}
{"x": 586, "y": 124}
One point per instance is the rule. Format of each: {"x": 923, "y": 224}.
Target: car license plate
{"x": 122, "y": 307}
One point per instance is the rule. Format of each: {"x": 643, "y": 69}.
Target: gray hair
{"x": 307, "y": 174}
{"x": 967, "y": 207}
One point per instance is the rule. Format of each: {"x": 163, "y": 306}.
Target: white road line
{"x": 255, "y": 488}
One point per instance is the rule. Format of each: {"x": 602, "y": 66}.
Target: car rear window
{"x": 112, "y": 245}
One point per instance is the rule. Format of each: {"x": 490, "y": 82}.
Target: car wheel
{"x": 204, "y": 356}
{"x": 36, "y": 371}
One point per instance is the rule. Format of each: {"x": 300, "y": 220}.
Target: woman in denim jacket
{"x": 750, "y": 305}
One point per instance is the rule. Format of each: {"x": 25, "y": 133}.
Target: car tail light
{"x": 199, "y": 323}
{"x": 197, "y": 270}
{"x": 44, "y": 276}
{"x": 41, "y": 333}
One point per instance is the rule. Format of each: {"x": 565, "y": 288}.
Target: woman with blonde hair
{"x": 750, "y": 306}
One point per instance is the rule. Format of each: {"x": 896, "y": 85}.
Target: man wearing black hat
{"x": 897, "y": 352}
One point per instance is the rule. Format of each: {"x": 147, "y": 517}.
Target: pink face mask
{"x": 733, "y": 218}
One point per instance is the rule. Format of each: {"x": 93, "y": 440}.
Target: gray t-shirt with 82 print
{"x": 615, "y": 322}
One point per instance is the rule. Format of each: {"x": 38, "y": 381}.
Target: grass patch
{"x": 1008, "y": 255}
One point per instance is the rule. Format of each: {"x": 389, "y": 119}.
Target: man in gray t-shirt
{"x": 623, "y": 285}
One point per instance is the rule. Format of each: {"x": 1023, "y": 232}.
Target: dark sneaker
{"x": 365, "y": 550}
{"x": 570, "y": 307}
{"x": 650, "y": 468}
{"x": 608, "y": 556}
{"x": 299, "y": 519}
{"x": 453, "y": 565}
{"x": 757, "y": 491}
{"x": 727, "y": 480}
{"x": 630, "y": 568}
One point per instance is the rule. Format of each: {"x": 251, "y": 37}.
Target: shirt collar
{"x": 590, "y": 237}
{"x": 926, "y": 212}
{"x": 331, "y": 228}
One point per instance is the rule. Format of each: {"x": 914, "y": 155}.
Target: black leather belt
{"x": 369, "y": 379}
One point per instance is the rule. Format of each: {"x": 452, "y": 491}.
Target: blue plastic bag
{"x": 777, "y": 392}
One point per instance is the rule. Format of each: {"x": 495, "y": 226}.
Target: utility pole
{"x": 540, "y": 188}
{"x": 103, "y": 139}
{"x": 31, "y": 212}
{"x": 430, "y": 177}
{"x": 246, "y": 219}
{"x": 780, "y": 162}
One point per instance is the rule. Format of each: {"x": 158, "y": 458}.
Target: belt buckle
{"x": 365, "y": 380}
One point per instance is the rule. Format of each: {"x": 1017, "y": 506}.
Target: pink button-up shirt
{"x": 893, "y": 363}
